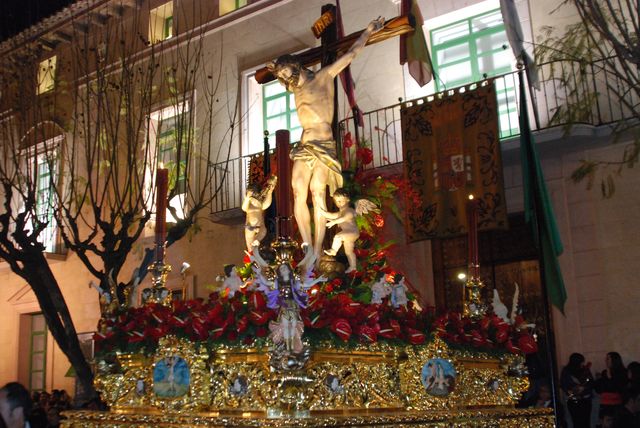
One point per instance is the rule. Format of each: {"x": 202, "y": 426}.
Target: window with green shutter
{"x": 38, "y": 353}
{"x": 471, "y": 50}
{"x": 279, "y": 111}
{"x": 172, "y": 150}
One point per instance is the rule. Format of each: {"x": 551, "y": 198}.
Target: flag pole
{"x": 550, "y": 342}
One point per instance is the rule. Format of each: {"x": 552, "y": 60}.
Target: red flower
{"x": 415, "y": 337}
{"x": 511, "y": 348}
{"x": 342, "y": 328}
{"x": 364, "y": 155}
{"x": 347, "y": 141}
{"x": 259, "y": 317}
{"x": 368, "y": 334}
{"x": 527, "y": 344}
{"x": 261, "y": 332}
{"x": 378, "y": 221}
{"x": 484, "y": 323}
{"x": 361, "y": 253}
{"x": 257, "y": 300}
{"x": 389, "y": 331}
{"x": 242, "y": 324}
{"x": 502, "y": 334}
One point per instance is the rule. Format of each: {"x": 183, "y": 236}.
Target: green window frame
{"x": 37, "y": 352}
{"x": 476, "y": 48}
{"x": 45, "y": 181}
{"x": 228, "y": 6}
{"x": 168, "y": 27}
{"x": 168, "y": 140}
{"x": 279, "y": 111}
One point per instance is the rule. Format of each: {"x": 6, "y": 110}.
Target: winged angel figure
{"x": 345, "y": 218}
{"x": 285, "y": 289}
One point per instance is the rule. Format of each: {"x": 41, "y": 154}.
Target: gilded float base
{"x": 494, "y": 417}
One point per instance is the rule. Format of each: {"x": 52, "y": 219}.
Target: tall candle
{"x": 162, "y": 184}
{"x": 283, "y": 195}
{"x": 472, "y": 228}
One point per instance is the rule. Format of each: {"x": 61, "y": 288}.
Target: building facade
{"x": 222, "y": 112}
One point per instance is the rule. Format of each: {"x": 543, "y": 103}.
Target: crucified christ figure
{"x": 315, "y": 162}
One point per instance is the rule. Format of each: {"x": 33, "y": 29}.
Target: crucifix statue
{"x": 316, "y": 163}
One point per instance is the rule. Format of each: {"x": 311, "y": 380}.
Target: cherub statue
{"x": 380, "y": 290}
{"x": 399, "y": 292}
{"x": 231, "y": 280}
{"x": 346, "y": 219}
{"x": 255, "y": 202}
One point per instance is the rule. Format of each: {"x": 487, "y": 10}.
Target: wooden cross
{"x": 331, "y": 47}
{"x": 392, "y": 28}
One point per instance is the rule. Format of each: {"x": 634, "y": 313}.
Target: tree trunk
{"x": 54, "y": 308}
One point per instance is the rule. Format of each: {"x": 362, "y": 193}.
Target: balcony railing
{"x": 570, "y": 92}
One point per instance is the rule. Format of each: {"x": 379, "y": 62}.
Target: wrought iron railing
{"x": 569, "y": 92}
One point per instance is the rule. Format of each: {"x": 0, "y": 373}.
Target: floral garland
{"x": 342, "y": 311}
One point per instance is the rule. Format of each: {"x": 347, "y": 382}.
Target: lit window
{"x": 471, "y": 50}
{"x": 44, "y": 160}
{"x": 267, "y": 107}
{"x": 46, "y": 75}
{"x": 161, "y": 23}
{"x": 279, "y": 111}
{"x": 227, "y": 6}
{"x": 170, "y": 131}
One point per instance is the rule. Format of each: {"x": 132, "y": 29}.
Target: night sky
{"x": 17, "y": 15}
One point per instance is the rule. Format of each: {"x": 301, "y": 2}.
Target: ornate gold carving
{"x": 487, "y": 418}
{"x": 236, "y": 386}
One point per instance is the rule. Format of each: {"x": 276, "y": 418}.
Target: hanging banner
{"x": 451, "y": 150}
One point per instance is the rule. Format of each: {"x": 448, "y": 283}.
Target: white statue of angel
{"x": 255, "y": 202}
{"x": 379, "y": 290}
{"x": 231, "y": 280}
{"x": 346, "y": 219}
{"x": 399, "y": 294}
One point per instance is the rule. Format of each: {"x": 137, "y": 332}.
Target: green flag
{"x": 413, "y": 47}
{"x": 538, "y": 211}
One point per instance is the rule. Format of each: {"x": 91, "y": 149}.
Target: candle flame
{"x": 160, "y": 165}
{"x": 470, "y": 196}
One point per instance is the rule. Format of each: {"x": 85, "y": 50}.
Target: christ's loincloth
{"x": 324, "y": 152}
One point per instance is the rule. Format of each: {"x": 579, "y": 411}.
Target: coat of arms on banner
{"x": 451, "y": 150}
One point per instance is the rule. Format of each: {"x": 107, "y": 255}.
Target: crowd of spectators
{"x": 19, "y": 409}
{"x": 617, "y": 389}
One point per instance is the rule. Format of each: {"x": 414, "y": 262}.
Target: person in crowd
{"x": 15, "y": 405}
{"x": 628, "y": 416}
{"x": 544, "y": 398}
{"x": 576, "y": 382}
{"x": 607, "y": 419}
{"x": 633, "y": 373}
{"x": 611, "y": 384}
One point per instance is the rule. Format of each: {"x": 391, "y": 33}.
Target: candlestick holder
{"x": 473, "y": 306}
{"x": 284, "y": 248}
{"x": 158, "y": 293}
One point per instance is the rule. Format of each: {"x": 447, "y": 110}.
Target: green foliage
{"x": 593, "y": 65}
